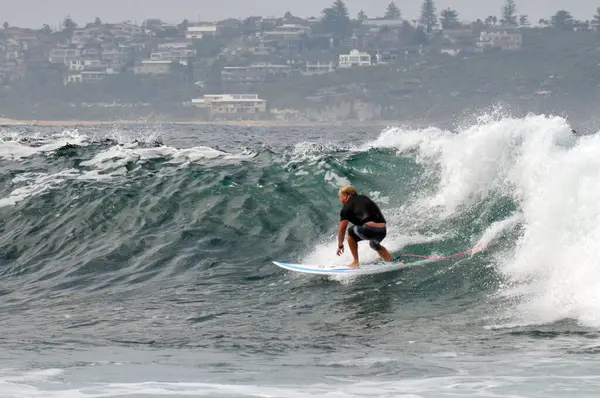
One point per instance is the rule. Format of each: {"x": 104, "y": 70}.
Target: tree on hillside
{"x": 183, "y": 27}
{"x": 449, "y": 19}
{"x": 189, "y": 71}
{"x": 428, "y": 15}
{"x": 406, "y": 33}
{"x": 251, "y": 25}
{"x": 152, "y": 24}
{"x": 5, "y": 25}
{"x": 392, "y": 12}
{"x": 361, "y": 16}
{"x": 562, "y": 19}
{"x": 509, "y": 13}
{"x": 97, "y": 21}
{"x": 523, "y": 21}
{"x": 596, "y": 20}
{"x": 420, "y": 36}
{"x": 477, "y": 27}
{"x": 68, "y": 26}
{"x": 335, "y": 19}
{"x": 208, "y": 47}
{"x": 46, "y": 29}
{"x": 214, "y": 81}
{"x": 491, "y": 20}
{"x": 386, "y": 37}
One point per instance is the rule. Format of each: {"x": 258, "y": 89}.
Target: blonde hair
{"x": 348, "y": 190}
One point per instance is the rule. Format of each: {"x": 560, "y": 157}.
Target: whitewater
{"x": 137, "y": 261}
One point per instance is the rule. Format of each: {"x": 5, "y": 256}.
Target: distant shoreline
{"x": 257, "y": 123}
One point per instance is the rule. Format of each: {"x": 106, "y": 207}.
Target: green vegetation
{"x": 449, "y": 19}
{"x": 428, "y": 15}
{"x": 392, "y": 12}
{"x": 509, "y": 13}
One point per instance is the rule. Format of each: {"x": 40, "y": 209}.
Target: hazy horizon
{"x": 32, "y": 14}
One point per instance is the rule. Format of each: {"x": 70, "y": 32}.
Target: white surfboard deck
{"x": 364, "y": 269}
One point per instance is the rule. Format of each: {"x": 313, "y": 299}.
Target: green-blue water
{"x": 138, "y": 262}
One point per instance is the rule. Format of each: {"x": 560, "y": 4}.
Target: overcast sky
{"x": 35, "y": 13}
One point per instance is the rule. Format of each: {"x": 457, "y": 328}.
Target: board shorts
{"x": 365, "y": 232}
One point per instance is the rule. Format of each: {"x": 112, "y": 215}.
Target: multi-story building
{"x": 232, "y": 104}
{"x": 172, "y": 55}
{"x": 198, "y": 32}
{"x": 155, "y": 67}
{"x": 254, "y": 73}
{"x": 64, "y": 55}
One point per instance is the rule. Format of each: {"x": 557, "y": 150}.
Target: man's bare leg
{"x": 354, "y": 250}
{"x": 384, "y": 253}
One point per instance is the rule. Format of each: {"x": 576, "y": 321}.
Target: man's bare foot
{"x": 353, "y": 265}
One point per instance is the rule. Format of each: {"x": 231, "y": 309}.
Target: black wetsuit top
{"x": 359, "y": 209}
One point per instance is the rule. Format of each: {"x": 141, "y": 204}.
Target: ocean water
{"x": 137, "y": 261}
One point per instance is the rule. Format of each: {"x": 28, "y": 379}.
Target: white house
{"x": 287, "y": 31}
{"x": 503, "y": 39}
{"x": 231, "y": 103}
{"x": 318, "y": 68}
{"x": 74, "y": 79}
{"x": 155, "y": 67}
{"x": 452, "y": 51}
{"x": 172, "y": 55}
{"x": 380, "y": 23}
{"x": 77, "y": 65}
{"x": 63, "y": 55}
{"x": 355, "y": 58}
{"x": 198, "y": 32}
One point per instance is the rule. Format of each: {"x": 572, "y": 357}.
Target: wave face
{"x": 115, "y": 236}
{"x": 529, "y": 184}
{"x": 82, "y": 212}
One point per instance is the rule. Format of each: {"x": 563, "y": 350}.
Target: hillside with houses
{"x": 330, "y": 67}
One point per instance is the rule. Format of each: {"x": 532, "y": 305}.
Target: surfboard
{"x": 331, "y": 269}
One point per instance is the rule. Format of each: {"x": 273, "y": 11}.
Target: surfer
{"x": 368, "y": 224}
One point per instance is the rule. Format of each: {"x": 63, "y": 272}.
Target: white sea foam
{"x": 441, "y": 386}
{"x": 33, "y": 184}
{"x": 112, "y": 162}
{"x": 553, "y": 176}
{"x": 13, "y": 146}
